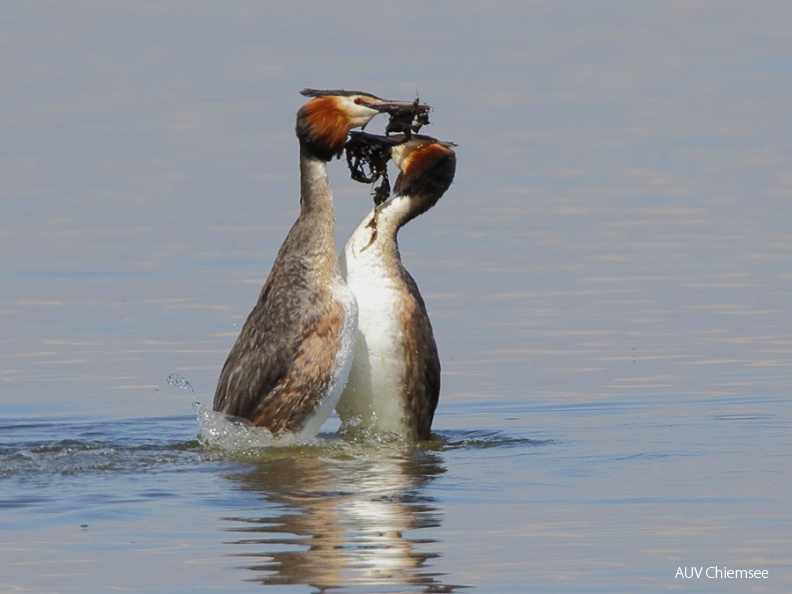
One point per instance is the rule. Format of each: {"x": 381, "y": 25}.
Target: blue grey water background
{"x": 608, "y": 277}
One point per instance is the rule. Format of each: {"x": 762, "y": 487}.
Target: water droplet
{"x": 178, "y": 380}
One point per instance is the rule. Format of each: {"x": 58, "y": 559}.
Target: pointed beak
{"x": 375, "y": 140}
{"x": 392, "y": 106}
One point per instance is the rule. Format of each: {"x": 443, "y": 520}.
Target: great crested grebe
{"x": 394, "y": 383}
{"x": 292, "y": 357}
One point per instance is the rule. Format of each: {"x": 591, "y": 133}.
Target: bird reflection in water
{"x": 347, "y": 519}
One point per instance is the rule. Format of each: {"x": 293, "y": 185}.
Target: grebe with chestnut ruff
{"x": 292, "y": 357}
{"x": 394, "y": 383}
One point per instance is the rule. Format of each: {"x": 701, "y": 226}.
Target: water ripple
{"x": 73, "y": 446}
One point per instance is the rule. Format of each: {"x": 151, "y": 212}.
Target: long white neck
{"x": 393, "y": 215}
{"x": 389, "y": 218}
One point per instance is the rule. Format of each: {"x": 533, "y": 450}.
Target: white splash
{"x": 235, "y": 436}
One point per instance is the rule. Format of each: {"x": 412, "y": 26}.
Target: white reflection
{"x": 340, "y": 516}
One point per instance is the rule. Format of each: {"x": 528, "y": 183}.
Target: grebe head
{"x": 324, "y": 122}
{"x": 427, "y": 168}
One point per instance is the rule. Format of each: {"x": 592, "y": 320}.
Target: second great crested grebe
{"x": 394, "y": 384}
{"x": 292, "y": 357}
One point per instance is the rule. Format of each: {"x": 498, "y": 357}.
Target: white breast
{"x": 373, "y": 398}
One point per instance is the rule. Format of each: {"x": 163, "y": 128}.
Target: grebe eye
{"x": 358, "y": 100}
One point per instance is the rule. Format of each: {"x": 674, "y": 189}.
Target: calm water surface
{"x": 608, "y": 279}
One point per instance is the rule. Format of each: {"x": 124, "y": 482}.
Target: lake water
{"x": 609, "y": 281}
